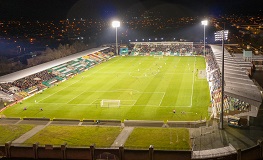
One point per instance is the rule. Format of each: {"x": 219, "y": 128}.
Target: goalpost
{"x": 110, "y": 103}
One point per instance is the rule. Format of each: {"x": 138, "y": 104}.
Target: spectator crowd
{"x": 231, "y": 105}
{"x": 38, "y": 81}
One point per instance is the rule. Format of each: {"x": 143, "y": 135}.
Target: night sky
{"x": 61, "y": 9}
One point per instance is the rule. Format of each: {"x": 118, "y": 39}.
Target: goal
{"x": 110, "y": 103}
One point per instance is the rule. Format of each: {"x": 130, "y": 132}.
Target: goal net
{"x": 110, "y": 103}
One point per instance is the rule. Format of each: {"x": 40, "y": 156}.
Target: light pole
{"x": 222, "y": 36}
{"x": 204, "y": 23}
{"x": 116, "y": 24}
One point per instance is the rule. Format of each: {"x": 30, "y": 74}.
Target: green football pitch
{"x": 146, "y": 88}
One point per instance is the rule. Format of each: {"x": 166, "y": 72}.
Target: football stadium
{"x": 154, "y": 87}
{"x": 152, "y": 100}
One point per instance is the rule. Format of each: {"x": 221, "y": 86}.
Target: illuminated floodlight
{"x": 204, "y": 23}
{"x": 116, "y": 24}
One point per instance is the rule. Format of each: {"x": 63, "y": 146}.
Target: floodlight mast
{"x": 222, "y": 36}
{"x": 204, "y": 23}
{"x": 223, "y": 79}
{"x": 116, "y": 24}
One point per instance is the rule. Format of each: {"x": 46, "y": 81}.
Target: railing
{"x": 64, "y": 151}
{"x": 218, "y": 152}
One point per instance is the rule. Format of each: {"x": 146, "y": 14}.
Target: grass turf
{"x": 76, "y": 136}
{"x": 12, "y": 132}
{"x": 160, "y": 138}
{"x": 149, "y": 89}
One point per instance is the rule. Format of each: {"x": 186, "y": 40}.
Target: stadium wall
{"x": 36, "y": 151}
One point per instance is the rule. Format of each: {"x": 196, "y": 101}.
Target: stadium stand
{"x": 45, "y": 66}
{"x": 14, "y": 87}
{"x": 162, "y": 48}
{"x": 242, "y": 97}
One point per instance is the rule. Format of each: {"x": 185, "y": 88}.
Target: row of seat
{"x": 38, "y": 81}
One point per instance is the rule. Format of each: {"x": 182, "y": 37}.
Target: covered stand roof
{"x": 32, "y": 70}
{"x": 237, "y": 82}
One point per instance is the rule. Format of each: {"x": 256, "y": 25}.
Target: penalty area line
{"x": 193, "y": 84}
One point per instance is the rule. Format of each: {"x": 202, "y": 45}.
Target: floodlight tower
{"x": 204, "y": 23}
{"x": 222, "y": 36}
{"x": 116, "y": 24}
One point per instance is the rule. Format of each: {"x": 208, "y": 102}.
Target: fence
{"x": 37, "y": 151}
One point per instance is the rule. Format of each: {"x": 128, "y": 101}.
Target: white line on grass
{"x": 177, "y": 73}
{"x": 150, "y": 105}
{"x": 91, "y": 104}
{"x": 111, "y": 72}
{"x": 95, "y": 101}
{"x": 115, "y": 91}
{"x": 75, "y": 82}
{"x": 103, "y": 67}
{"x": 75, "y": 97}
{"x": 80, "y": 104}
{"x": 121, "y": 91}
{"x": 162, "y": 99}
{"x": 179, "y": 59}
{"x": 154, "y": 92}
{"x": 133, "y": 101}
{"x": 193, "y": 83}
{"x": 57, "y": 91}
{"x": 127, "y": 90}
